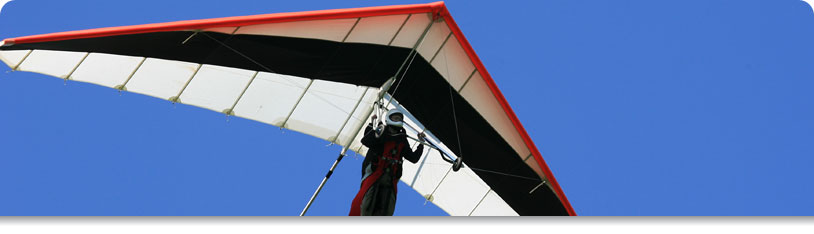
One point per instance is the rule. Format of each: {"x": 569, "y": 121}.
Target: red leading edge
{"x": 438, "y": 9}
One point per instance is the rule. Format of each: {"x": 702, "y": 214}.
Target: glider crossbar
{"x": 410, "y": 57}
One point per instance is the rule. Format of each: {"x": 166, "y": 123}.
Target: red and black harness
{"x": 388, "y": 163}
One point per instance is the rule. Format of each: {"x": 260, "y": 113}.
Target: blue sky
{"x": 638, "y": 107}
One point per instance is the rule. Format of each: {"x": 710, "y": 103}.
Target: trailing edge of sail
{"x": 319, "y": 73}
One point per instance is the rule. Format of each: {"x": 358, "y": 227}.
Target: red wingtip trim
{"x": 507, "y": 109}
{"x": 439, "y": 10}
{"x": 7, "y": 42}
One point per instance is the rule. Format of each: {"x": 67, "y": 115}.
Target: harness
{"x": 390, "y": 160}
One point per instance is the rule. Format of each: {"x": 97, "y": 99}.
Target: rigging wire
{"x": 493, "y": 172}
{"x": 267, "y": 69}
{"x": 411, "y": 56}
{"x": 379, "y": 108}
{"x": 455, "y": 119}
{"x": 414, "y": 54}
{"x": 238, "y": 52}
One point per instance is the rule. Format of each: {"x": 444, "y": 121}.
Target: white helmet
{"x": 390, "y": 122}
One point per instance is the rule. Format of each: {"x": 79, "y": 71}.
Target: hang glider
{"x": 322, "y": 73}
